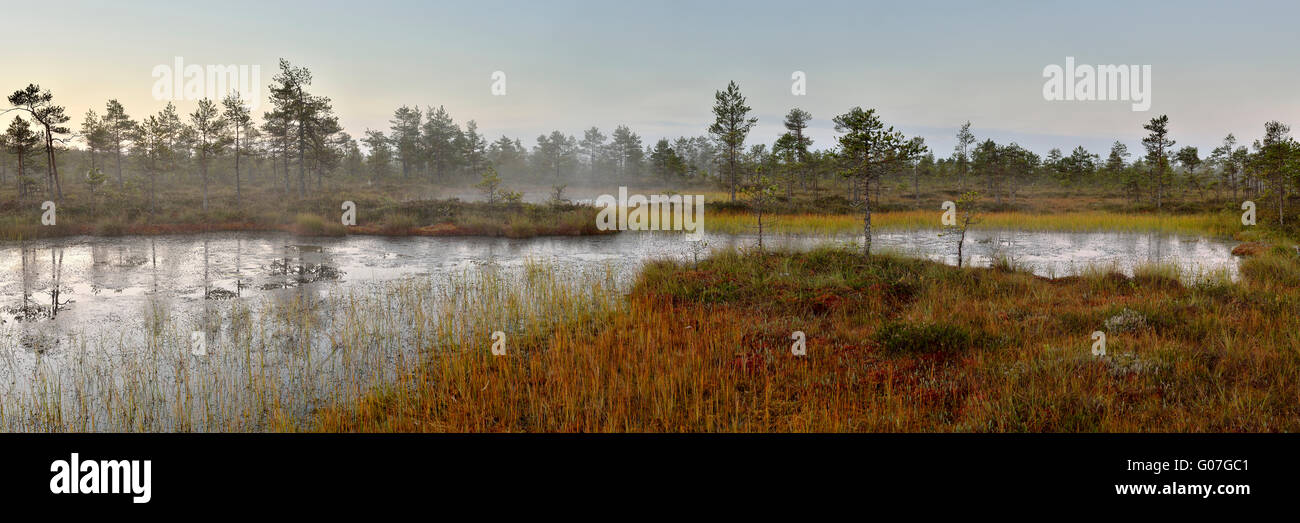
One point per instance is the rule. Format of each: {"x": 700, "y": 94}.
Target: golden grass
{"x": 893, "y": 345}
{"x": 1091, "y": 221}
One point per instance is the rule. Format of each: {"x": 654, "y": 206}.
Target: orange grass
{"x": 708, "y": 349}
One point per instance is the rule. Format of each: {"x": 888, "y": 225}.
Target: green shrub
{"x": 926, "y": 338}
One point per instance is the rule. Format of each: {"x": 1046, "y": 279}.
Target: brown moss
{"x": 1250, "y": 249}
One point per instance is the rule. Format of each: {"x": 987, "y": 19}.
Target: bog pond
{"x": 103, "y": 333}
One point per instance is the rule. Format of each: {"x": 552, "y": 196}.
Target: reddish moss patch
{"x": 1250, "y": 249}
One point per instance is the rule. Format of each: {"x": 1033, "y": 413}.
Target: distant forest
{"x": 299, "y": 147}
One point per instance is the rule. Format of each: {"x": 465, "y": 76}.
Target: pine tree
{"x": 506, "y": 155}
{"x": 625, "y": 146}
{"x": 40, "y": 105}
{"x": 156, "y": 140}
{"x": 381, "y": 154}
{"x": 119, "y": 128}
{"x": 209, "y": 138}
{"x": 731, "y": 125}
{"x": 590, "y": 146}
{"x": 867, "y": 148}
{"x": 325, "y": 139}
{"x": 1272, "y": 158}
{"x": 664, "y": 160}
{"x": 1117, "y": 161}
{"x": 21, "y": 141}
{"x": 473, "y": 148}
{"x": 405, "y": 127}
{"x": 240, "y": 119}
{"x": 310, "y": 116}
{"x": 796, "y": 121}
{"x": 1190, "y": 158}
{"x": 1157, "y": 144}
{"x": 438, "y": 139}
{"x": 961, "y": 154}
{"x": 1229, "y": 171}
{"x": 554, "y": 153}
{"x": 95, "y": 135}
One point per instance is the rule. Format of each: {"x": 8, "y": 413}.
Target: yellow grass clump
{"x": 1090, "y": 221}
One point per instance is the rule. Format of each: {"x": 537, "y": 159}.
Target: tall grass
{"x": 893, "y": 345}
{"x": 273, "y": 361}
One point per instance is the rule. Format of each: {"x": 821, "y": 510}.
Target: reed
{"x": 273, "y": 361}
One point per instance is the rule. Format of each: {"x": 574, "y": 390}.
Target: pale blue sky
{"x": 926, "y": 66}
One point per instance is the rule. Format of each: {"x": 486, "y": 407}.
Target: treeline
{"x": 428, "y": 144}
{"x": 298, "y": 144}
{"x": 1157, "y": 177}
{"x": 299, "y": 140}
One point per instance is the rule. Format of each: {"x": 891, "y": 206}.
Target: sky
{"x": 926, "y": 67}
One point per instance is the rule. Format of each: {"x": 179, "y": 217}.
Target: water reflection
{"x": 28, "y": 307}
{"x": 131, "y": 284}
{"x": 99, "y": 316}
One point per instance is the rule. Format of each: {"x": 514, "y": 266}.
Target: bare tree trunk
{"x": 203, "y": 169}
{"x": 285, "y": 158}
{"x": 866, "y": 220}
{"x": 49, "y": 174}
{"x": 993, "y": 189}
{"x": 1281, "y": 202}
{"x": 238, "y": 195}
{"x": 302, "y": 171}
{"x": 22, "y": 184}
{"x": 916, "y": 187}
{"x": 731, "y": 167}
{"x": 54, "y": 167}
{"x": 961, "y": 241}
{"x": 1160, "y": 186}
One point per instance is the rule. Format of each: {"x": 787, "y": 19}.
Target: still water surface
{"x": 84, "y": 303}
{"x": 84, "y": 283}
